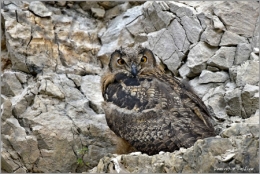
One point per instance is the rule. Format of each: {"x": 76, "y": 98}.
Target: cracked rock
{"x": 172, "y": 59}
{"x": 242, "y": 53}
{"x": 11, "y": 85}
{"x": 215, "y": 99}
{"x": 198, "y": 56}
{"x": 223, "y": 58}
{"x": 192, "y": 27}
{"x": 181, "y": 9}
{"x": 155, "y": 17}
{"x": 98, "y": 12}
{"x": 250, "y": 99}
{"x": 117, "y": 10}
{"x": 247, "y": 72}
{"x": 211, "y": 36}
{"x": 239, "y": 17}
{"x": 48, "y": 88}
{"x": 217, "y": 23}
{"x": 200, "y": 89}
{"x": 92, "y": 92}
{"x": 234, "y": 102}
{"x": 229, "y": 39}
{"x": 40, "y": 9}
{"x": 215, "y": 77}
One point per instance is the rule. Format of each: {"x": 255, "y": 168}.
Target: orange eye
{"x": 120, "y": 61}
{"x": 144, "y": 59}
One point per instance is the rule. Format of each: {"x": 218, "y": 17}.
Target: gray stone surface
{"x": 234, "y": 102}
{"x": 242, "y": 53}
{"x": 215, "y": 77}
{"x": 90, "y": 88}
{"x": 247, "y": 14}
{"x": 200, "y": 89}
{"x": 192, "y": 27}
{"x": 117, "y": 10}
{"x": 211, "y": 36}
{"x": 98, "y": 12}
{"x": 215, "y": 99}
{"x": 53, "y": 54}
{"x": 10, "y": 86}
{"x": 230, "y": 39}
{"x": 223, "y": 58}
{"x": 40, "y": 9}
{"x": 247, "y": 73}
{"x": 217, "y": 24}
{"x": 198, "y": 56}
{"x": 250, "y": 99}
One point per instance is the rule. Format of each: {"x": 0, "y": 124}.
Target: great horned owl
{"x": 151, "y": 110}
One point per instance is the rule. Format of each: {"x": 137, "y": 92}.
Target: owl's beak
{"x": 134, "y": 70}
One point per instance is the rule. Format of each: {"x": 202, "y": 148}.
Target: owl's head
{"x": 131, "y": 60}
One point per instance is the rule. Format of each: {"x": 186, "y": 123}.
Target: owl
{"x": 149, "y": 109}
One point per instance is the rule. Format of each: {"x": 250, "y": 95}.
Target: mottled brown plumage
{"x": 152, "y": 111}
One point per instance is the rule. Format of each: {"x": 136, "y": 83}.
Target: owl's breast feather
{"x": 128, "y": 92}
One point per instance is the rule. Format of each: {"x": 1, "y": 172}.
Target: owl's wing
{"x": 190, "y": 100}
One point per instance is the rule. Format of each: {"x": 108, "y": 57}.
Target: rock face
{"x": 53, "y": 54}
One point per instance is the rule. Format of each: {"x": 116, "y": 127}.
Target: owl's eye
{"x": 120, "y": 61}
{"x": 144, "y": 59}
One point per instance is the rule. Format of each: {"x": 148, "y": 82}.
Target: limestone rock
{"x": 211, "y": 36}
{"x": 48, "y": 88}
{"x": 11, "y": 86}
{"x": 223, "y": 58}
{"x": 40, "y": 9}
{"x": 247, "y": 72}
{"x": 208, "y": 76}
{"x": 116, "y": 35}
{"x": 184, "y": 71}
{"x": 198, "y": 56}
{"x": 192, "y": 27}
{"x": 239, "y": 19}
{"x": 61, "y": 3}
{"x": 215, "y": 99}
{"x": 250, "y": 99}
{"x": 242, "y": 53}
{"x": 90, "y": 86}
{"x": 234, "y": 102}
{"x": 167, "y": 52}
{"x": 200, "y": 89}
{"x": 156, "y": 18}
{"x": 229, "y": 39}
{"x": 75, "y": 78}
{"x": 109, "y": 4}
{"x": 117, "y": 10}
{"x": 179, "y": 36}
{"x": 212, "y": 68}
{"x": 180, "y": 9}
{"x": 253, "y": 119}
{"x": 217, "y": 23}
{"x": 238, "y": 129}
{"x": 87, "y": 5}
{"x": 6, "y": 110}
{"x": 98, "y": 12}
